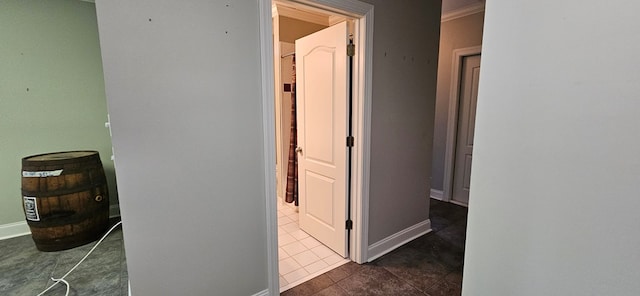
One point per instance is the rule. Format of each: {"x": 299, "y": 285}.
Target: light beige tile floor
{"x": 301, "y": 257}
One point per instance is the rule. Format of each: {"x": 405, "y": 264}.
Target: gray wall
{"x": 183, "y": 89}
{"x": 454, "y": 34}
{"x": 51, "y": 90}
{"x": 554, "y": 209}
{"x": 404, "y": 82}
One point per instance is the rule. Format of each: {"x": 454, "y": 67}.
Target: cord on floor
{"x": 57, "y": 281}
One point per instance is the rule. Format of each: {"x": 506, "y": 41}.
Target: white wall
{"x": 555, "y": 206}
{"x": 183, "y": 91}
{"x": 286, "y": 71}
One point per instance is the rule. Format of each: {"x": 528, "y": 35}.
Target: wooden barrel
{"x": 65, "y": 199}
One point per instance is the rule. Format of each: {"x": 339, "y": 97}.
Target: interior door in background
{"x": 322, "y": 94}
{"x": 466, "y": 126}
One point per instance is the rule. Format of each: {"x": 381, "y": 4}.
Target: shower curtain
{"x": 292, "y": 168}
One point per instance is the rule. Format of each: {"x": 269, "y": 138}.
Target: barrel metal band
{"x": 72, "y": 217}
{"x": 78, "y": 189}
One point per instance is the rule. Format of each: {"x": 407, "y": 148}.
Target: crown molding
{"x": 462, "y": 12}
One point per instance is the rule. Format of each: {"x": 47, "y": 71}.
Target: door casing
{"x": 466, "y": 126}
{"x": 452, "y": 118}
{"x": 362, "y": 92}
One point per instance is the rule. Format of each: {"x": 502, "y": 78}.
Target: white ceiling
{"x": 451, "y": 5}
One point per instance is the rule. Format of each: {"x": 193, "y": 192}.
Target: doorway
{"x": 362, "y": 13}
{"x": 461, "y": 124}
{"x": 467, "y": 102}
{"x": 312, "y": 237}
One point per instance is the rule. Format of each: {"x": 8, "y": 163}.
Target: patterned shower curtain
{"x": 292, "y": 168}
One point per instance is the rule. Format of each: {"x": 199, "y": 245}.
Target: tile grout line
{"x": 303, "y": 268}
{"x": 311, "y": 276}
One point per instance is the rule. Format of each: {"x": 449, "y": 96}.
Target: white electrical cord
{"x": 77, "y": 264}
{"x": 64, "y": 281}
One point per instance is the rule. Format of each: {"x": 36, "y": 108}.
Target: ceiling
{"x": 451, "y": 5}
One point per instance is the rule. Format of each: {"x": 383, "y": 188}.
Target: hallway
{"x": 430, "y": 265}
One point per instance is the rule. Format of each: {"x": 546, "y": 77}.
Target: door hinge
{"x": 351, "y": 49}
{"x": 350, "y": 141}
{"x": 349, "y": 225}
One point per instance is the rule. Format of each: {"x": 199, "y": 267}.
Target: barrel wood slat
{"x": 65, "y": 199}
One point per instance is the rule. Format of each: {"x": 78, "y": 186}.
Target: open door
{"x": 322, "y": 97}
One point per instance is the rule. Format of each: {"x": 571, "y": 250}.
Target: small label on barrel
{"x": 42, "y": 174}
{"x": 31, "y": 208}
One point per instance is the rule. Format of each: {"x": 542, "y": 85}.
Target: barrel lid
{"x": 59, "y": 156}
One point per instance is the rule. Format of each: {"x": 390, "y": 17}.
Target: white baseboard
{"x": 459, "y": 203}
{"x": 262, "y": 293}
{"x": 114, "y": 211}
{"x": 437, "y": 194}
{"x": 398, "y": 239}
{"x": 14, "y": 229}
{"x": 22, "y": 228}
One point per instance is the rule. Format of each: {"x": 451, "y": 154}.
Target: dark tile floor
{"x": 26, "y": 271}
{"x": 430, "y": 265}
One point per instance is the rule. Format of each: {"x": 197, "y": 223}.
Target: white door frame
{"x": 452, "y": 118}
{"x": 362, "y": 89}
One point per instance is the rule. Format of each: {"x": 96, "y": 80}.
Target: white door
{"x": 466, "y": 126}
{"x": 322, "y": 93}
